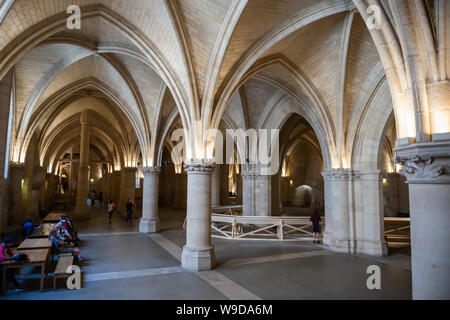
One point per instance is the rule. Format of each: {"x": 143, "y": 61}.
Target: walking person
{"x": 129, "y": 206}
{"x": 315, "y": 219}
{"x": 111, "y": 208}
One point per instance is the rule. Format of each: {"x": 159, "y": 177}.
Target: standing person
{"x": 6, "y": 254}
{"x": 315, "y": 219}
{"x": 130, "y": 205}
{"x": 111, "y": 208}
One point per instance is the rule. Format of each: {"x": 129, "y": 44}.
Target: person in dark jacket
{"x": 28, "y": 228}
{"x": 129, "y": 206}
{"x": 315, "y": 219}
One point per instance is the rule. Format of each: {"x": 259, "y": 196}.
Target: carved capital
{"x": 425, "y": 162}
{"x": 18, "y": 167}
{"x": 339, "y": 174}
{"x": 199, "y": 166}
{"x": 154, "y": 171}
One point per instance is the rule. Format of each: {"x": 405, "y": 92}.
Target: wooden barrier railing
{"x": 228, "y": 210}
{"x": 261, "y": 228}
{"x": 395, "y": 229}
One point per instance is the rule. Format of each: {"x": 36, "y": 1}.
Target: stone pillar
{"x": 257, "y": 189}
{"x": 427, "y": 169}
{"x": 369, "y": 214}
{"x": 180, "y": 192}
{"x": 215, "y": 187}
{"x": 263, "y": 195}
{"x": 127, "y": 188}
{"x": 198, "y": 253}
{"x": 115, "y": 187}
{"x": 248, "y": 195}
{"x": 37, "y": 181}
{"x": 337, "y": 210}
{"x": 5, "y": 104}
{"x": 81, "y": 207}
{"x": 16, "y": 174}
{"x": 150, "y": 220}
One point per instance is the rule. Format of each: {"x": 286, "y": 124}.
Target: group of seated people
{"x": 64, "y": 239}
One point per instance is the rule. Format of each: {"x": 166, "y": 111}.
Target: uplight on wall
{"x": 178, "y": 168}
{"x": 291, "y": 183}
{"x": 385, "y": 182}
{"x": 92, "y": 180}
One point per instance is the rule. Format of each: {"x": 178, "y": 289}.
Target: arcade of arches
{"x": 363, "y": 114}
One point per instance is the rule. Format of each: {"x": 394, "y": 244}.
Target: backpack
{"x": 20, "y": 258}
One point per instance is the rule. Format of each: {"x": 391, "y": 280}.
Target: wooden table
{"x": 35, "y": 244}
{"x": 53, "y": 217}
{"x": 36, "y": 258}
{"x": 43, "y": 231}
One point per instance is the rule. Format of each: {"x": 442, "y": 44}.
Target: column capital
{"x": 199, "y": 166}
{"x": 17, "y": 166}
{"x": 340, "y": 174}
{"x": 253, "y": 170}
{"x": 426, "y": 163}
{"x": 84, "y": 118}
{"x": 129, "y": 170}
{"x": 154, "y": 171}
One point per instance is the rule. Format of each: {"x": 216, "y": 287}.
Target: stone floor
{"x": 121, "y": 263}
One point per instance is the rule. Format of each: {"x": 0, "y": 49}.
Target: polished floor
{"x": 121, "y": 263}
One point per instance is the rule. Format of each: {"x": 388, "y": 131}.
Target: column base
{"x": 149, "y": 226}
{"x": 373, "y": 248}
{"x": 197, "y": 260}
{"x": 338, "y": 245}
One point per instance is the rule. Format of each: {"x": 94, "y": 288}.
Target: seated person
{"x": 71, "y": 228}
{"x": 65, "y": 227}
{"x": 6, "y": 254}
{"x": 28, "y": 228}
{"x": 62, "y": 247}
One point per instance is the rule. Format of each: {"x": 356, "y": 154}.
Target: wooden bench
{"x": 64, "y": 262}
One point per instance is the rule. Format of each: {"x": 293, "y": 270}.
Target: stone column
{"x": 81, "y": 207}
{"x": 215, "y": 187}
{"x": 127, "y": 188}
{"x": 257, "y": 189}
{"x": 198, "y": 253}
{"x": 150, "y": 220}
{"x": 427, "y": 169}
{"x": 16, "y": 174}
{"x": 248, "y": 195}
{"x": 179, "y": 200}
{"x": 369, "y": 214}
{"x": 115, "y": 187}
{"x": 337, "y": 210}
{"x": 5, "y": 104}
{"x": 263, "y": 195}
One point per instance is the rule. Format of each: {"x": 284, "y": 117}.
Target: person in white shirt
{"x": 111, "y": 208}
